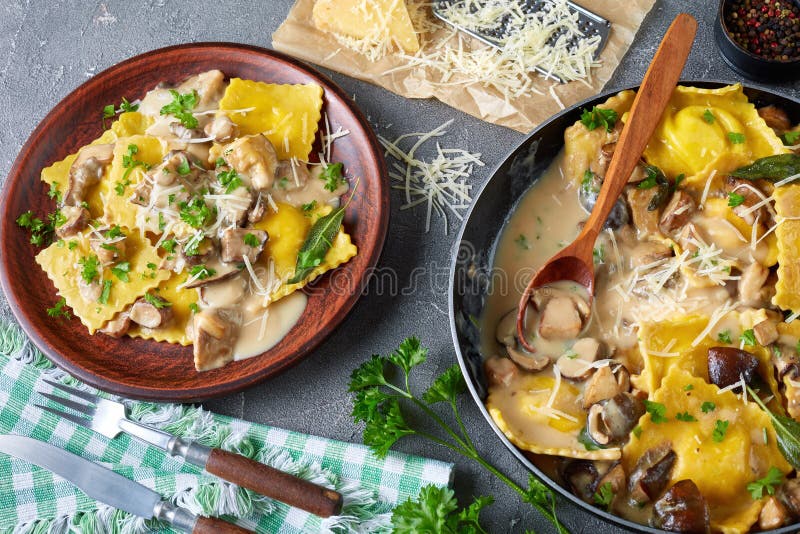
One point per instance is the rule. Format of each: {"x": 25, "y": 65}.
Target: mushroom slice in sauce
{"x": 149, "y": 315}
{"x": 752, "y": 280}
{"x": 644, "y": 220}
{"x": 581, "y": 478}
{"x": 766, "y": 332}
{"x": 500, "y": 371}
{"x": 682, "y": 509}
{"x": 86, "y": 171}
{"x": 526, "y": 360}
{"x": 612, "y": 420}
{"x": 728, "y": 365}
{"x": 651, "y": 474}
{"x": 108, "y": 251}
{"x": 216, "y": 331}
{"x": 90, "y": 291}
{"x": 605, "y": 384}
{"x": 677, "y": 213}
{"x": 118, "y": 326}
{"x": 773, "y": 515}
{"x": 222, "y": 129}
{"x": 77, "y": 219}
{"x": 236, "y": 243}
{"x": 577, "y": 363}
{"x": 745, "y": 189}
{"x": 560, "y": 319}
{"x": 224, "y": 273}
{"x": 506, "y": 331}
{"x": 253, "y": 156}
{"x": 776, "y": 118}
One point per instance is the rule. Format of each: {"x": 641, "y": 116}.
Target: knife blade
{"x": 108, "y": 487}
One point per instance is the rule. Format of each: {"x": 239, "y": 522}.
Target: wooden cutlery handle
{"x": 213, "y": 525}
{"x": 273, "y": 483}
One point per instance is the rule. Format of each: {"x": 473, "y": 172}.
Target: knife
{"x": 111, "y": 488}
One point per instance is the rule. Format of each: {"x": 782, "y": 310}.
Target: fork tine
{"x": 77, "y": 406}
{"x": 78, "y": 420}
{"x": 85, "y": 395}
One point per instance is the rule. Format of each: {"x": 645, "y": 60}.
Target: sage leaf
{"x": 317, "y": 244}
{"x": 772, "y": 168}
{"x": 787, "y": 432}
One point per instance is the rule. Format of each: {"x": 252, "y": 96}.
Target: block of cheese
{"x": 375, "y": 20}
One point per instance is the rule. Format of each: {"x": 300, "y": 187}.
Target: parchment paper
{"x": 298, "y": 37}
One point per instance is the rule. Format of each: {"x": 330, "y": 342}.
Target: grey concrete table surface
{"x": 47, "y": 48}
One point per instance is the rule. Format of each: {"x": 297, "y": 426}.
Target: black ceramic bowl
{"x": 473, "y": 259}
{"x": 747, "y": 63}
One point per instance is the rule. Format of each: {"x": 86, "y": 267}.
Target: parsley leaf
{"x": 708, "y": 406}
{"x": 604, "y": 495}
{"x": 114, "y": 232}
{"x": 736, "y": 138}
{"x": 688, "y": 387}
{"x": 708, "y": 116}
{"x": 767, "y": 484}
{"x": 181, "y": 108}
{"x": 657, "y": 411}
{"x": 307, "y": 208}
{"x": 129, "y": 163}
{"x": 522, "y": 242}
{"x": 251, "y": 240}
{"x": 332, "y": 176}
{"x": 599, "y": 254}
{"x": 54, "y": 193}
{"x": 194, "y": 307}
{"x": 446, "y": 387}
{"x": 121, "y": 271}
{"x": 587, "y": 182}
{"x": 686, "y": 417}
{"x": 59, "y": 310}
{"x": 41, "y": 232}
{"x": 735, "y": 199}
{"x": 720, "y": 428}
{"x": 196, "y": 212}
{"x": 436, "y": 510}
{"x": 229, "y": 179}
{"x": 749, "y": 338}
{"x": 169, "y": 245}
{"x": 724, "y": 337}
{"x": 89, "y": 269}
{"x": 156, "y": 301}
{"x": 201, "y": 272}
{"x": 790, "y": 138}
{"x": 599, "y": 117}
{"x": 127, "y": 107}
{"x": 103, "y": 298}
{"x": 651, "y": 180}
{"x": 183, "y": 167}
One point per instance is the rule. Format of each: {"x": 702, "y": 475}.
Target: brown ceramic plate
{"x": 160, "y": 371}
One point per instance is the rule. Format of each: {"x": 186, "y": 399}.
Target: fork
{"x": 109, "y": 418}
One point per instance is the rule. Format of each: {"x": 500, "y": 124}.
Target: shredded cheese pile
{"x": 439, "y": 184}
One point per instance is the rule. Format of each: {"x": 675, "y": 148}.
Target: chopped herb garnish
{"x": 587, "y": 183}
{"x": 522, "y": 242}
{"x": 767, "y": 484}
{"x": 597, "y": 117}
{"x": 183, "y": 167}
{"x": 103, "y": 299}
{"x": 41, "y": 233}
{"x": 59, "y": 310}
{"x": 790, "y": 138}
{"x": 129, "y": 163}
{"x": 121, "y": 270}
{"x": 162, "y": 223}
{"x": 158, "y": 302}
{"x": 599, "y": 254}
{"x": 708, "y": 116}
{"x": 678, "y": 179}
{"x": 308, "y": 208}
{"x": 220, "y": 162}
{"x": 604, "y": 495}
{"x": 637, "y": 431}
{"x": 54, "y": 193}
{"x": 686, "y": 417}
{"x": 251, "y": 240}
{"x": 169, "y": 245}
{"x": 724, "y": 337}
{"x": 720, "y": 428}
{"x": 657, "y": 411}
{"x": 89, "y": 269}
{"x": 748, "y": 337}
{"x": 651, "y": 180}
{"x": 72, "y": 245}
{"x": 230, "y": 180}
{"x": 201, "y": 272}
{"x": 196, "y": 212}
{"x": 736, "y": 138}
{"x": 127, "y": 107}
{"x": 708, "y": 406}
{"x": 688, "y": 387}
{"x": 194, "y": 307}
{"x": 332, "y": 175}
{"x": 181, "y": 108}
{"x": 108, "y": 112}
{"x": 735, "y": 199}
{"x": 283, "y": 182}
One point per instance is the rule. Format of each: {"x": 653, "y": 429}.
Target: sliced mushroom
{"x": 606, "y": 384}
{"x": 141, "y": 194}
{"x": 644, "y": 220}
{"x": 611, "y": 421}
{"x": 541, "y": 296}
{"x": 776, "y": 118}
{"x": 560, "y": 319}
{"x": 216, "y": 331}
{"x": 77, "y": 218}
{"x": 588, "y": 194}
{"x": 766, "y": 332}
{"x": 786, "y": 362}
{"x": 581, "y": 478}
{"x": 108, "y": 252}
{"x": 118, "y": 326}
{"x": 183, "y": 133}
{"x": 745, "y": 188}
{"x": 204, "y": 253}
{"x": 177, "y": 164}
{"x": 773, "y": 515}
{"x": 615, "y": 477}
{"x": 595, "y": 425}
{"x": 677, "y": 213}
{"x": 90, "y": 291}
{"x": 223, "y": 273}
{"x": 576, "y": 364}
{"x": 500, "y": 371}
{"x": 651, "y": 474}
{"x": 234, "y": 244}
{"x": 222, "y": 129}
{"x": 506, "y": 331}
{"x": 258, "y": 208}
{"x": 789, "y": 495}
{"x": 210, "y": 87}
{"x": 149, "y": 315}
{"x": 86, "y": 171}
{"x": 526, "y": 360}
{"x": 753, "y": 278}
{"x": 647, "y": 252}
{"x": 254, "y": 156}
{"x": 224, "y": 295}
{"x": 682, "y": 509}
{"x": 726, "y": 366}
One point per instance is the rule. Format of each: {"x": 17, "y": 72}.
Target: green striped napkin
{"x": 33, "y": 500}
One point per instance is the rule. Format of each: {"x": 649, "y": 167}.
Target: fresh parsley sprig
{"x": 181, "y": 108}
{"x": 599, "y": 117}
{"x": 379, "y": 403}
{"x": 768, "y": 484}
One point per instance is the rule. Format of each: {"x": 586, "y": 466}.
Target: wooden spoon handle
{"x": 648, "y": 106}
{"x": 273, "y": 483}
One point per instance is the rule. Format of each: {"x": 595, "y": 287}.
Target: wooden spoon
{"x": 575, "y": 261}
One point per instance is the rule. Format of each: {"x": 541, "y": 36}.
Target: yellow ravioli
{"x": 286, "y": 114}
{"x": 61, "y": 265}
{"x": 118, "y": 209}
{"x": 181, "y": 300}
{"x": 739, "y": 457}
{"x": 130, "y": 124}
{"x": 377, "y": 19}
{"x": 787, "y": 289}
{"x": 287, "y": 231}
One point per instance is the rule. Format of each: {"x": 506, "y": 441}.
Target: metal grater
{"x": 589, "y": 23}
